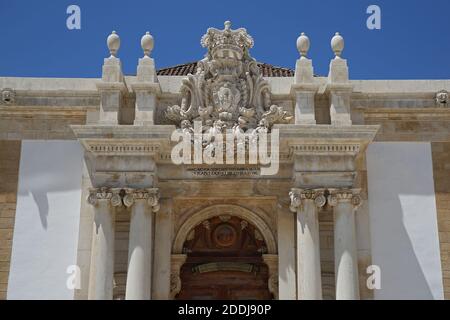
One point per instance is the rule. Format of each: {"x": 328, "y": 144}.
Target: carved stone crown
{"x": 228, "y": 90}
{"x": 227, "y": 42}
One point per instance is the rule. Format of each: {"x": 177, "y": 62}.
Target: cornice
{"x": 124, "y": 140}
{"x": 407, "y": 114}
{"x": 320, "y": 140}
{"x": 153, "y": 87}
{"x": 122, "y": 131}
{"x": 121, "y": 147}
{"x": 325, "y": 148}
{"x": 16, "y": 111}
{"x": 331, "y": 133}
{"x": 46, "y": 93}
{"x": 111, "y": 86}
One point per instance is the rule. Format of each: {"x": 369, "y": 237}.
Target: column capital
{"x": 344, "y": 195}
{"x": 150, "y": 195}
{"x": 298, "y": 195}
{"x": 111, "y": 195}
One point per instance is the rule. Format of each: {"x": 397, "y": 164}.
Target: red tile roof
{"x": 266, "y": 69}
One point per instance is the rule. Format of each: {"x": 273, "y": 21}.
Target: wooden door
{"x": 224, "y": 262}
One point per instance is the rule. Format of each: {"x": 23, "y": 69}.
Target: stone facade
{"x": 9, "y": 170}
{"x": 441, "y": 158}
{"x": 143, "y": 207}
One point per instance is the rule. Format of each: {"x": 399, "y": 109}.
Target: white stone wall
{"x": 403, "y": 222}
{"x": 47, "y": 220}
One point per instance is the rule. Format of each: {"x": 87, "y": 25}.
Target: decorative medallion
{"x": 224, "y": 235}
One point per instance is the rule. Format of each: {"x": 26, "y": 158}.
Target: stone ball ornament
{"x": 113, "y": 42}
{"x": 303, "y": 45}
{"x": 147, "y": 43}
{"x": 337, "y": 44}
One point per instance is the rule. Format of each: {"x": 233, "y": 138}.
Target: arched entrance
{"x": 224, "y": 260}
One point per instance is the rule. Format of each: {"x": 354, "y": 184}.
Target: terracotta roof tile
{"x": 266, "y": 69}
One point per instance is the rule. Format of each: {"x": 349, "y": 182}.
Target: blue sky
{"x": 413, "y": 42}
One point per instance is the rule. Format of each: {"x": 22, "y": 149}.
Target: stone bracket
{"x": 271, "y": 260}
{"x": 177, "y": 261}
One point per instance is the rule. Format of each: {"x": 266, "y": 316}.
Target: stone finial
{"x": 303, "y": 45}
{"x": 147, "y": 43}
{"x": 337, "y": 44}
{"x": 113, "y": 42}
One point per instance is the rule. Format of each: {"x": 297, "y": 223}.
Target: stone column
{"x": 177, "y": 261}
{"x": 163, "y": 246}
{"x": 271, "y": 261}
{"x": 345, "y": 202}
{"x": 143, "y": 203}
{"x": 306, "y": 204}
{"x": 102, "y": 256}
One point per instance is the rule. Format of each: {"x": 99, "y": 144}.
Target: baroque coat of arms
{"x": 228, "y": 90}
